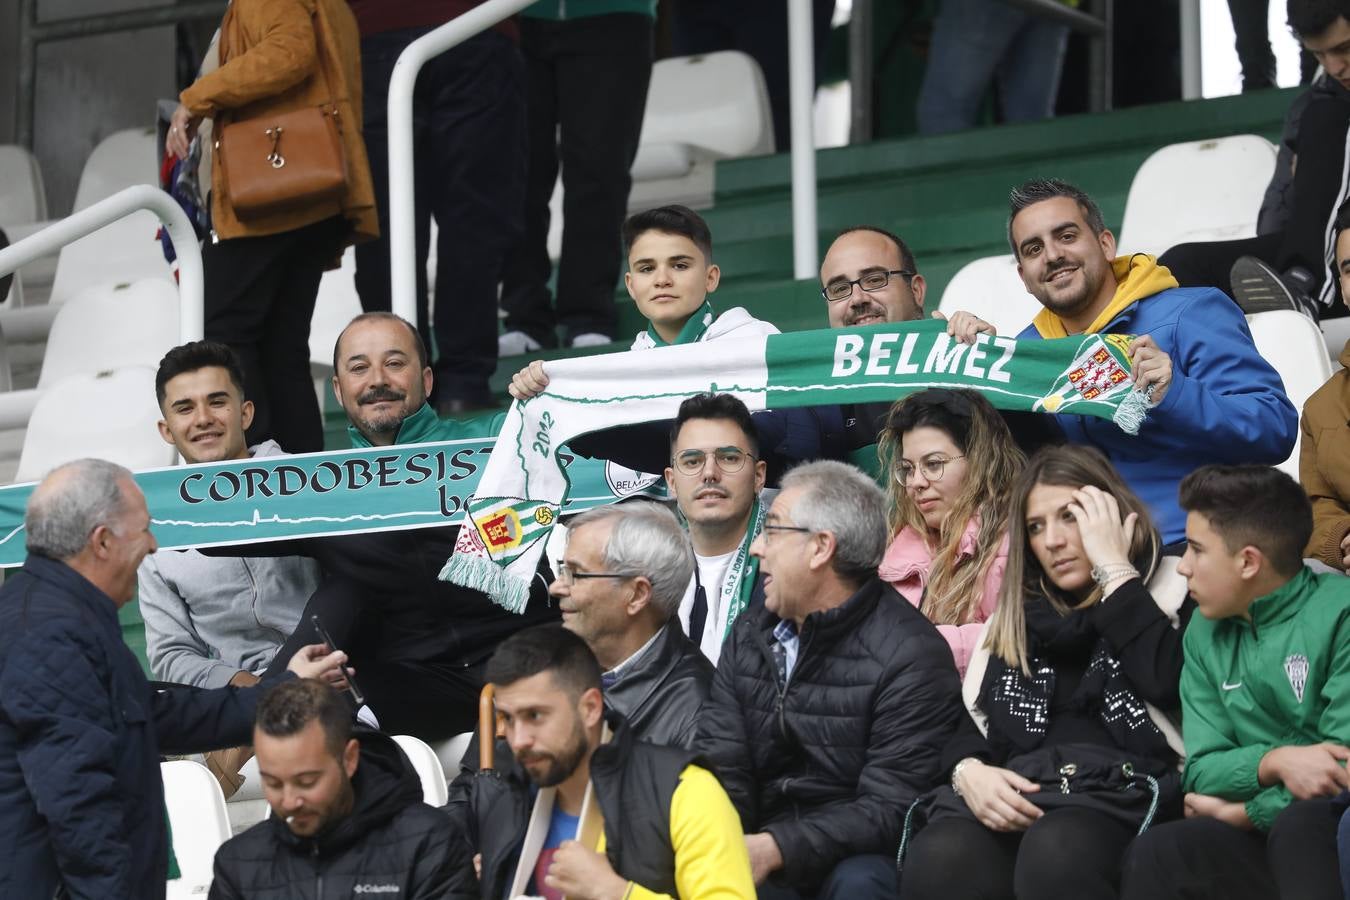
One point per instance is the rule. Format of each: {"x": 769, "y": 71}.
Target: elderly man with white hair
{"x": 81, "y": 730}
{"x": 831, "y": 703}
{"x": 619, "y": 587}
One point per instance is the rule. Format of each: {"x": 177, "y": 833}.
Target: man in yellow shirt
{"x": 669, "y": 829}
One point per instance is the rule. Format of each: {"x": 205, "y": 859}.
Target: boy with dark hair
{"x": 1264, "y": 701}
{"x": 347, "y": 811}
{"x": 670, "y": 275}
{"x": 668, "y": 826}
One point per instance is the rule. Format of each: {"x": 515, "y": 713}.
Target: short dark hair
{"x": 384, "y": 315}
{"x": 907, "y": 260}
{"x": 673, "y": 219}
{"x": 196, "y": 355}
{"x": 717, "y": 406}
{"x": 545, "y": 648}
{"x": 1257, "y": 506}
{"x": 1038, "y": 190}
{"x": 288, "y": 708}
{"x": 1309, "y": 18}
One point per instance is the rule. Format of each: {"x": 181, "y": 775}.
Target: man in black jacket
{"x": 347, "y": 813}
{"x": 620, "y": 582}
{"x": 81, "y": 730}
{"x": 831, "y": 705}
{"x": 667, "y": 826}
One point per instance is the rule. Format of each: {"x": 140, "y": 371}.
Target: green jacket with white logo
{"x": 1250, "y": 686}
{"x": 560, "y": 10}
{"x": 424, "y": 426}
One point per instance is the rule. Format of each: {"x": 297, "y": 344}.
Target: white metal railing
{"x": 35, "y": 321}
{"x": 402, "y": 222}
{"x": 802, "y": 88}
{"x": 1190, "y": 50}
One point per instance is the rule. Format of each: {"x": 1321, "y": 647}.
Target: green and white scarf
{"x": 694, "y": 328}
{"x": 739, "y": 580}
{"x": 523, "y": 487}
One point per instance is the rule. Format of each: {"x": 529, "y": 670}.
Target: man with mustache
{"x": 1214, "y": 399}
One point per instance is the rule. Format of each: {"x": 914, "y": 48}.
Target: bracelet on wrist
{"x": 1104, "y": 575}
{"x": 956, "y": 773}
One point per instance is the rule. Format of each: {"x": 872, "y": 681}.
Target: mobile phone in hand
{"x": 332, "y": 647}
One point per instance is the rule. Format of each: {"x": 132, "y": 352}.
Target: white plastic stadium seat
{"x": 428, "y": 768}
{"x": 23, "y": 199}
{"x": 109, "y": 327}
{"x": 1197, "y": 191}
{"x": 199, "y": 823}
{"x": 991, "y": 289}
{"x": 1292, "y": 343}
{"x": 127, "y": 249}
{"x": 111, "y": 415}
{"x": 247, "y": 807}
{"x": 337, "y": 305}
{"x": 450, "y": 752}
{"x": 711, "y": 106}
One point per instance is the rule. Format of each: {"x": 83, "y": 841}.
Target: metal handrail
{"x": 802, "y": 88}
{"x": 402, "y": 187}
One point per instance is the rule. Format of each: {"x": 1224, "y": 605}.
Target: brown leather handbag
{"x": 278, "y": 162}
{"x": 282, "y": 161}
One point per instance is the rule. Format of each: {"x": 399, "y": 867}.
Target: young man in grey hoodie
{"x": 213, "y": 621}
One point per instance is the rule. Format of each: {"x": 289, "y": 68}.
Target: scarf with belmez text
{"x": 523, "y": 486}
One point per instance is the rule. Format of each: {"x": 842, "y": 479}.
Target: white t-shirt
{"x": 711, "y": 571}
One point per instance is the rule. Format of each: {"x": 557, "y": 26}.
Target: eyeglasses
{"x": 729, "y": 459}
{"x": 569, "y": 577}
{"x": 769, "y": 528}
{"x": 871, "y": 281}
{"x": 933, "y": 469}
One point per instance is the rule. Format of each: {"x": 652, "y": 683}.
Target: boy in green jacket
{"x": 1265, "y": 697}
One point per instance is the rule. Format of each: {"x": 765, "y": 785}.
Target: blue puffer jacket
{"x": 81, "y": 731}
{"x": 1225, "y": 403}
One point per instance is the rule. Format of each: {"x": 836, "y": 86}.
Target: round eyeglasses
{"x": 933, "y": 469}
{"x": 836, "y": 291}
{"x": 729, "y": 459}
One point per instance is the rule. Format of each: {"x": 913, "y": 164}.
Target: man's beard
{"x": 563, "y": 764}
{"x": 386, "y": 423}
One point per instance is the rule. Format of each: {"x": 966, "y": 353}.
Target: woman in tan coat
{"x": 263, "y": 270}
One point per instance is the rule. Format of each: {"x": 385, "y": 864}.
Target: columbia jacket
{"x": 81, "y": 733}
{"x": 391, "y": 845}
{"x": 828, "y": 762}
{"x": 1225, "y": 403}
{"x": 1249, "y": 687}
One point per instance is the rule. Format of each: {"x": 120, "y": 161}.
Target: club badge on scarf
{"x": 523, "y": 487}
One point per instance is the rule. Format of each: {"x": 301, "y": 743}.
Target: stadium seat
{"x": 1291, "y": 343}
{"x": 111, "y": 415}
{"x": 1197, "y": 191}
{"x": 126, "y": 250}
{"x": 428, "y": 767}
{"x": 23, "y": 198}
{"x": 991, "y": 289}
{"x": 247, "y": 807}
{"x": 337, "y": 305}
{"x": 450, "y": 752}
{"x": 108, "y": 327}
{"x": 199, "y": 823}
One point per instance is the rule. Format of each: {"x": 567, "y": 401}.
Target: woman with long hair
{"x": 953, "y": 462}
{"x": 1076, "y": 757}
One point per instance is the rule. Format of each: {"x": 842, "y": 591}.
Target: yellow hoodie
{"x": 1137, "y": 276}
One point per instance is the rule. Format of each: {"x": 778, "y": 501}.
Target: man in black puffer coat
{"x": 347, "y": 813}
{"x": 831, "y": 705}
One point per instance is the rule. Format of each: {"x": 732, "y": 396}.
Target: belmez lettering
{"x": 945, "y": 356}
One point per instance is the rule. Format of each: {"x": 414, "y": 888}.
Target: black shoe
{"x": 1259, "y": 288}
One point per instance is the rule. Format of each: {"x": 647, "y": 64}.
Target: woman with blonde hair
{"x": 1075, "y": 758}
{"x": 952, "y": 462}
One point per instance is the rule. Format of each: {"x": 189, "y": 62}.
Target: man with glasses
{"x": 715, "y": 475}
{"x": 832, "y": 702}
{"x": 618, "y": 587}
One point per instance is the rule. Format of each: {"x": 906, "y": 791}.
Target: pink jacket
{"x": 905, "y": 567}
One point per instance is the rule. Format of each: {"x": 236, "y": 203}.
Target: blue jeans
{"x": 870, "y": 877}
{"x": 977, "y": 43}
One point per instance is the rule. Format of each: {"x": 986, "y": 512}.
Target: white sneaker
{"x": 591, "y": 339}
{"x": 516, "y": 343}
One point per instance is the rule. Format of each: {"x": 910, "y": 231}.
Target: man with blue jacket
{"x": 1215, "y": 400}
{"x": 81, "y": 730}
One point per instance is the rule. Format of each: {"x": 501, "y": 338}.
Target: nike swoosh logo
{"x": 1231, "y": 687}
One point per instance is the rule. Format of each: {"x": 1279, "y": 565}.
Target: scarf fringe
{"x": 479, "y": 574}
{"x": 1132, "y": 411}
